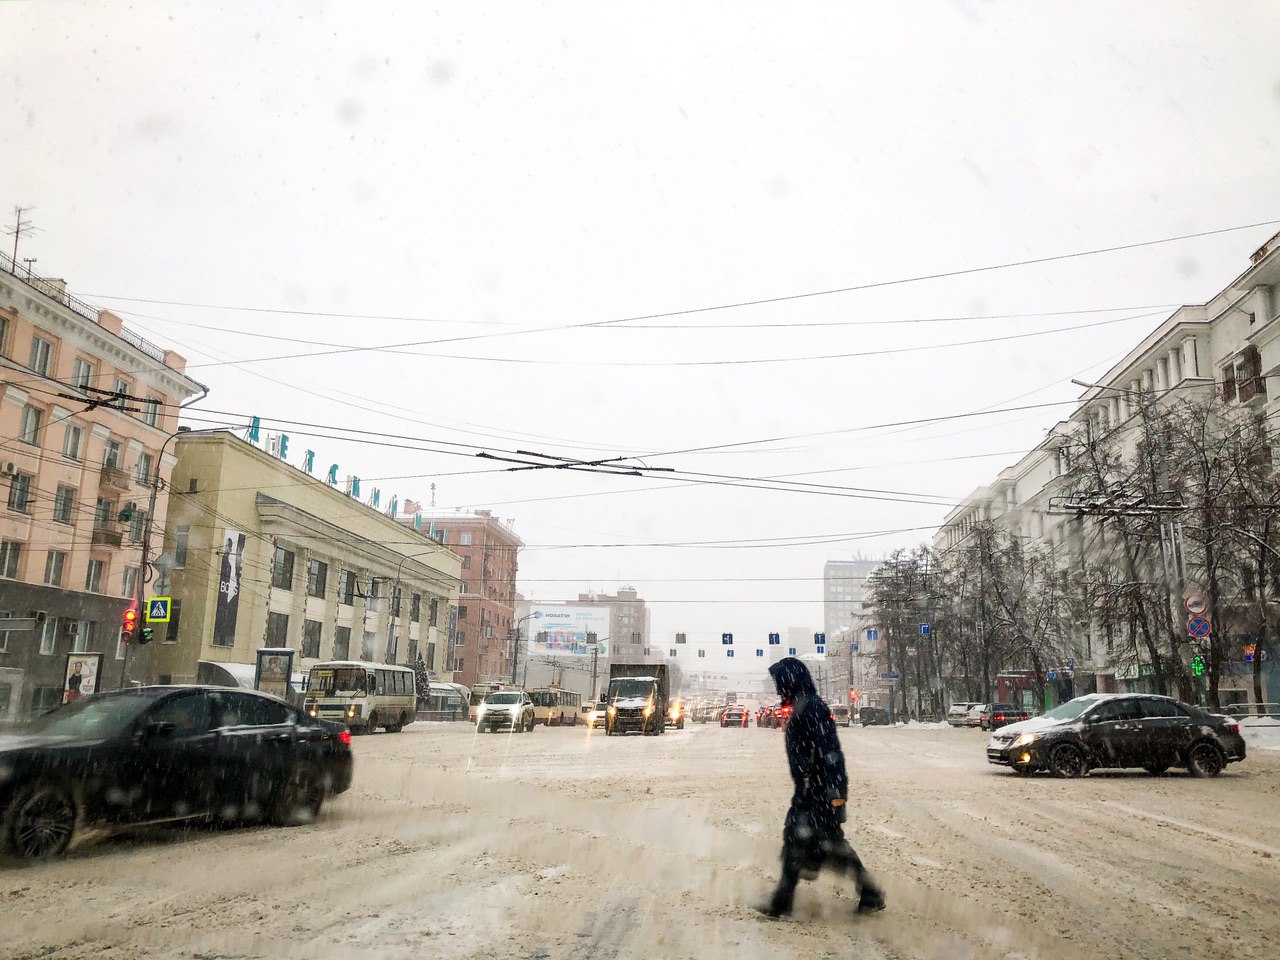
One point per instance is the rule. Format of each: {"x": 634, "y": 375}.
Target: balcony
{"x": 1251, "y": 388}
{"x": 107, "y": 536}
{"x": 116, "y": 478}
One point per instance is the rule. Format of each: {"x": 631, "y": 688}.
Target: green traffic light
{"x": 1197, "y": 666}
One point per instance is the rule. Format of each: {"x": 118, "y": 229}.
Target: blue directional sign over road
{"x": 775, "y": 639}
{"x": 890, "y": 676}
{"x": 925, "y": 629}
{"x": 873, "y": 633}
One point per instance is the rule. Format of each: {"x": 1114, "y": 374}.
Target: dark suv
{"x": 997, "y": 715}
{"x": 1119, "y": 730}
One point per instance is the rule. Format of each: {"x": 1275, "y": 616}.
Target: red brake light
{"x": 344, "y": 738}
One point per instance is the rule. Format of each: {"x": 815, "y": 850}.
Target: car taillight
{"x": 1233, "y": 727}
{"x": 344, "y": 738}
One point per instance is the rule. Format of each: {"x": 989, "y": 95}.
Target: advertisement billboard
{"x": 81, "y": 676}
{"x": 228, "y": 609}
{"x": 562, "y": 631}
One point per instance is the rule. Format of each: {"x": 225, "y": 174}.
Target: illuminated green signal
{"x": 1197, "y": 665}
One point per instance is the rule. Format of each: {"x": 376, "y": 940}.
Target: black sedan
{"x": 1119, "y": 730}
{"x": 165, "y": 753}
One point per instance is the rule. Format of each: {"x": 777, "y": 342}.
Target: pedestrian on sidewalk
{"x": 812, "y": 837}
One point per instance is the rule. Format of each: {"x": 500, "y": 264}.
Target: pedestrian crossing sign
{"x": 158, "y": 609}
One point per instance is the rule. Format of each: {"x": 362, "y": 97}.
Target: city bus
{"x": 445, "y": 701}
{"x": 363, "y": 695}
{"x": 478, "y": 692}
{"x": 554, "y": 708}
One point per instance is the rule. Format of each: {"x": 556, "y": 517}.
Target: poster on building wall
{"x": 275, "y": 667}
{"x": 229, "y": 589}
{"x": 81, "y": 676}
{"x": 564, "y": 630}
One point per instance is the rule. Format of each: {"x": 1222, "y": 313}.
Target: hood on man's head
{"x": 792, "y": 678}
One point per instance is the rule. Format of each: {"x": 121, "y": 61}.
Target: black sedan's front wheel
{"x": 1205, "y": 760}
{"x": 41, "y": 820}
{"x": 1068, "y": 761}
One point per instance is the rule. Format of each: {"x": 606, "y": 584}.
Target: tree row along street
{"x": 565, "y": 844}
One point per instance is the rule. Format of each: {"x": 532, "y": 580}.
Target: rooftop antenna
{"x": 21, "y": 228}
{"x": 29, "y": 261}
{"x": 433, "y": 496}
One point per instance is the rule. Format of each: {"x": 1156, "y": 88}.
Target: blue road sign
{"x": 819, "y": 638}
{"x": 775, "y": 639}
{"x": 925, "y": 629}
{"x": 873, "y": 633}
{"x": 821, "y": 649}
{"x": 1071, "y": 663}
{"x": 726, "y": 639}
{"x": 791, "y": 651}
{"x": 729, "y": 652}
{"x": 855, "y": 648}
{"x": 1053, "y": 674}
{"x": 1198, "y": 627}
{"x": 890, "y": 676}
{"x": 759, "y": 651}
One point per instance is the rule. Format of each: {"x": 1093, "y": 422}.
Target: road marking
{"x": 1194, "y": 828}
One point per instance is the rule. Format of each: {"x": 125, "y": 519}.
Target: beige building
{"x": 267, "y": 555}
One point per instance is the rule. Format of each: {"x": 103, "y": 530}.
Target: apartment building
{"x": 489, "y": 551}
{"x": 1229, "y": 344}
{"x": 267, "y": 555}
{"x": 73, "y": 462}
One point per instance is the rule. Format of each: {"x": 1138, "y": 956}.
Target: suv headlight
{"x": 1026, "y": 738}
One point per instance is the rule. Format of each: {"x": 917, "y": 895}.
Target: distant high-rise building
{"x": 844, "y": 590}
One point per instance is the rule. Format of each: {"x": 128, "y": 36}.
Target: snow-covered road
{"x": 564, "y": 844}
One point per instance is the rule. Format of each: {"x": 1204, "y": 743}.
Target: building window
{"x": 317, "y": 578}
{"x": 151, "y": 411}
{"x": 121, "y": 386}
{"x": 137, "y": 524}
{"x": 464, "y": 538}
{"x": 121, "y": 646}
{"x": 103, "y": 513}
{"x": 10, "y": 550}
{"x": 41, "y": 355}
{"x": 434, "y": 613}
{"x": 93, "y": 577}
{"x": 462, "y": 613}
{"x": 54, "y": 564}
{"x": 4, "y": 634}
{"x": 413, "y": 652}
{"x": 277, "y": 629}
{"x": 72, "y": 442}
{"x": 415, "y": 608}
{"x": 20, "y": 492}
{"x": 282, "y": 569}
{"x": 341, "y": 643}
{"x": 82, "y": 373}
{"x": 347, "y": 587}
{"x": 64, "y": 504}
{"x": 129, "y": 581}
{"x": 461, "y": 639}
{"x": 111, "y": 454}
{"x": 144, "y": 468}
{"x": 175, "y": 618}
{"x": 29, "y": 427}
{"x": 395, "y": 601}
{"x": 702, "y": 653}
{"x": 84, "y": 633}
{"x": 49, "y": 637}
{"x": 466, "y": 563}
{"x": 311, "y": 639}
{"x": 181, "y": 544}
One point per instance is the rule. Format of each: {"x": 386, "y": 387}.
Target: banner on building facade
{"x": 229, "y": 588}
{"x": 275, "y": 667}
{"x": 568, "y": 630}
{"x": 81, "y": 676}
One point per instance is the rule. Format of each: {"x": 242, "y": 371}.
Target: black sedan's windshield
{"x": 94, "y": 718}
{"x": 1071, "y": 709}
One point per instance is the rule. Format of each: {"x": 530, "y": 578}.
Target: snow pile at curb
{"x": 1262, "y": 733}
{"x": 917, "y": 725}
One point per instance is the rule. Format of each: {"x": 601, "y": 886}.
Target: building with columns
{"x": 1230, "y": 345}
{"x": 73, "y": 461}
{"x": 264, "y": 554}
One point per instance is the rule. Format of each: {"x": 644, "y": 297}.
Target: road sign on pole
{"x": 890, "y": 676}
{"x": 158, "y": 609}
{"x": 925, "y": 629}
{"x": 873, "y": 633}
{"x": 1198, "y": 627}
{"x": 1195, "y": 604}
{"x": 819, "y": 638}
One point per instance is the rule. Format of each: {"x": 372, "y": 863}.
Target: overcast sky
{"x": 496, "y": 168}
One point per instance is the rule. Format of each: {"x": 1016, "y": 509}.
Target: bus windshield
{"x": 337, "y": 681}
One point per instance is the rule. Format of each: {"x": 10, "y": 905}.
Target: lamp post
{"x": 515, "y": 650}
{"x": 392, "y": 616}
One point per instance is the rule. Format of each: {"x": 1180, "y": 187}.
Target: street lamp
{"x": 515, "y": 650}
{"x": 392, "y": 616}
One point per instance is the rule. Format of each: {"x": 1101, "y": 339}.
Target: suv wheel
{"x": 1068, "y": 761}
{"x": 1205, "y": 760}
{"x": 41, "y": 820}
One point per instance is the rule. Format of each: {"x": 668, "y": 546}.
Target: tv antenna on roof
{"x": 433, "y": 496}
{"x": 20, "y": 228}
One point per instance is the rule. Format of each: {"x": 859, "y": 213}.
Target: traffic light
{"x": 146, "y": 635}
{"x": 1197, "y": 665}
{"x": 130, "y": 624}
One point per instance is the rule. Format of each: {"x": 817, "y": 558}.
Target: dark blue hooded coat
{"x": 813, "y": 747}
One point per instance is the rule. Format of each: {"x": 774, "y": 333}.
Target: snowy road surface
{"x": 564, "y": 844}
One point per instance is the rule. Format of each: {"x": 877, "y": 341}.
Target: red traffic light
{"x": 130, "y": 621}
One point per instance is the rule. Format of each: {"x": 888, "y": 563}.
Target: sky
{"x": 246, "y": 181}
